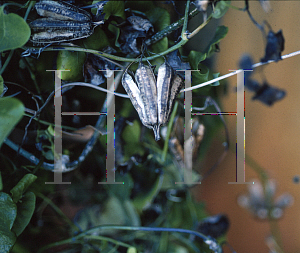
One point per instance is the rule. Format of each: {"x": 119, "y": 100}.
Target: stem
{"x": 165, "y": 150}
{"x": 206, "y": 239}
{"x": 31, "y": 4}
{"x": 199, "y": 28}
{"x": 165, "y": 32}
{"x": 234, "y": 7}
{"x": 86, "y": 237}
{"x": 104, "y": 238}
{"x": 184, "y": 28}
{"x": 32, "y": 75}
{"x": 114, "y": 57}
{"x": 276, "y": 235}
{"x": 238, "y": 71}
{"x": 171, "y": 28}
{"x": 7, "y": 61}
{"x": 263, "y": 175}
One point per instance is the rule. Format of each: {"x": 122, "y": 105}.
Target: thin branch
{"x": 184, "y": 28}
{"x": 171, "y": 28}
{"x": 199, "y": 28}
{"x": 237, "y": 71}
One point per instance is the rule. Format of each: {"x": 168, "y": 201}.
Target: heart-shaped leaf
{"x": 8, "y": 213}
{"x": 25, "y": 212}
{"x": 11, "y": 111}
{"x": 14, "y": 31}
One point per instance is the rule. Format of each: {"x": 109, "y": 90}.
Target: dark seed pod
{"x": 214, "y": 226}
{"x": 145, "y": 78}
{"x": 61, "y": 10}
{"x": 153, "y": 100}
{"x": 48, "y": 30}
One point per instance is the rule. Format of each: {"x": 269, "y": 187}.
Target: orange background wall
{"x": 272, "y": 133}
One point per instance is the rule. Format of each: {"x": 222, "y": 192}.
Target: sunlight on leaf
{"x": 74, "y": 62}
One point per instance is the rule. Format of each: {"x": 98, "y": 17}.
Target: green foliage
{"x": 15, "y": 212}
{"x": 147, "y": 176}
{"x": 160, "y": 19}
{"x": 131, "y": 137}
{"x": 25, "y": 210}
{"x": 21, "y": 187}
{"x": 195, "y": 58}
{"x": 219, "y": 35}
{"x": 72, "y": 61}
{"x": 144, "y": 199}
{"x": 14, "y": 31}
{"x": 8, "y": 214}
{"x": 220, "y": 9}
{"x": 115, "y": 8}
{"x": 11, "y": 111}
{"x": 97, "y": 41}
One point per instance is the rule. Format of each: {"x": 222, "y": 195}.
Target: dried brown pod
{"x": 153, "y": 97}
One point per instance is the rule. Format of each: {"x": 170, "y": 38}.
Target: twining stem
{"x": 114, "y": 57}
{"x": 31, "y": 4}
{"x": 89, "y": 234}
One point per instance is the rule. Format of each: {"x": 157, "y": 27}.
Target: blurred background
{"x": 272, "y": 133}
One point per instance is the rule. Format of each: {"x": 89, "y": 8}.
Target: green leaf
{"x": 116, "y": 31}
{"x": 195, "y": 58}
{"x": 21, "y": 186}
{"x": 25, "y": 211}
{"x": 73, "y": 61}
{"x": 11, "y": 111}
{"x": 132, "y": 132}
{"x": 220, "y": 34}
{"x": 115, "y": 8}
{"x": 131, "y": 137}
{"x": 14, "y": 31}
{"x": 144, "y": 200}
{"x": 220, "y": 9}
{"x": 200, "y": 76}
{"x": 97, "y": 41}
{"x": 160, "y": 19}
{"x": 8, "y": 213}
